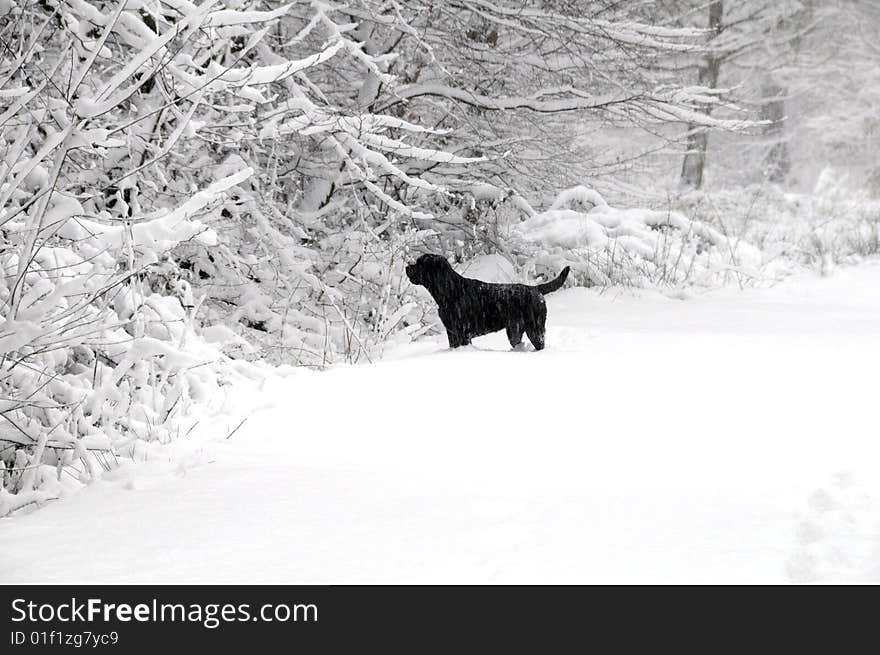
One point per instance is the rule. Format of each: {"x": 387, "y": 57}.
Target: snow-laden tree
{"x": 534, "y": 86}
{"x": 833, "y": 91}
{"x": 803, "y": 70}
{"x": 750, "y": 45}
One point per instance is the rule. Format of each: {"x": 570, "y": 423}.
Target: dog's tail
{"x": 553, "y": 285}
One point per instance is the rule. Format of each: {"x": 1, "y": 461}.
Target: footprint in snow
{"x": 837, "y": 535}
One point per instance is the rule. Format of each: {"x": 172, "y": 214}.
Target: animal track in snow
{"x": 837, "y": 535}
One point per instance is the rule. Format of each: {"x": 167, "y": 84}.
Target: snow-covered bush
{"x": 119, "y": 189}
{"x": 833, "y": 224}
{"x": 634, "y": 246}
{"x": 167, "y": 178}
{"x": 93, "y": 353}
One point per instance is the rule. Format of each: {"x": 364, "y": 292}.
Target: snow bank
{"x": 489, "y": 268}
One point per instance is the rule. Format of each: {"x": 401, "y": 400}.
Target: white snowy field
{"x": 729, "y": 437}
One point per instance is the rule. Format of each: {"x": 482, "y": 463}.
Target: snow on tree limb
{"x": 661, "y": 106}
{"x": 226, "y": 17}
{"x": 577, "y": 103}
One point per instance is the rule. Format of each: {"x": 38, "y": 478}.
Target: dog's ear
{"x": 439, "y": 276}
{"x": 430, "y": 267}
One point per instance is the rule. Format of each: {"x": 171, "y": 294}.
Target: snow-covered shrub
{"x": 169, "y": 198}
{"x": 831, "y": 225}
{"x": 635, "y": 246}
{"x": 122, "y": 200}
{"x": 93, "y": 355}
{"x": 337, "y": 299}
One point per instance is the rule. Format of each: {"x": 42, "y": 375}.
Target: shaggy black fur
{"x": 470, "y": 308}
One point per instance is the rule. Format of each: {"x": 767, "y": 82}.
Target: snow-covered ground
{"x": 725, "y": 437}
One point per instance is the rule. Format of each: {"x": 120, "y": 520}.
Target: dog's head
{"x": 429, "y": 270}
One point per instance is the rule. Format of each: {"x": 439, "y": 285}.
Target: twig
{"x": 236, "y": 427}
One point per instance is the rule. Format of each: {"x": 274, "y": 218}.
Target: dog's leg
{"x": 535, "y": 327}
{"x": 456, "y": 340}
{"x": 515, "y": 334}
{"x": 536, "y": 336}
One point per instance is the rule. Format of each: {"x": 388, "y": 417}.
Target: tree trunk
{"x": 698, "y": 137}
{"x": 777, "y": 162}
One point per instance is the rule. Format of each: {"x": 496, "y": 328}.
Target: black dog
{"x": 470, "y": 308}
